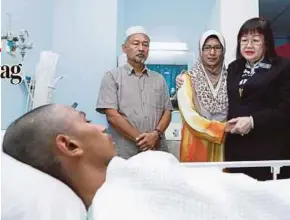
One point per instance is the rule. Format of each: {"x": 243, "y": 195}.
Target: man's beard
{"x": 140, "y": 58}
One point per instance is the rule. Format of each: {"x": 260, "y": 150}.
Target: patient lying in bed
{"x": 154, "y": 185}
{"x": 59, "y": 141}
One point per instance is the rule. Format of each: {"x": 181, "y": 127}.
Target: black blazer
{"x": 266, "y": 97}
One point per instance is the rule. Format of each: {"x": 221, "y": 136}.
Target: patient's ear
{"x": 67, "y": 146}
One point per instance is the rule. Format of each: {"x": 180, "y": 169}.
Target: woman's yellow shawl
{"x": 202, "y": 139}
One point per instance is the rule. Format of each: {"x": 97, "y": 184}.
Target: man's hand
{"x": 121, "y": 124}
{"x": 147, "y": 141}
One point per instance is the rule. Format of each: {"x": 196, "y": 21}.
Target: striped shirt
{"x": 249, "y": 71}
{"x": 140, "y": 98}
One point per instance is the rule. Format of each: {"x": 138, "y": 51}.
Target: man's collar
{"x": 131, "y": 69}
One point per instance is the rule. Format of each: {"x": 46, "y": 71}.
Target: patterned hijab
{"x": 213, "y": 99}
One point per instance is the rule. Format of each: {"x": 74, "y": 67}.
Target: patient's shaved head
{"x": 31, "y": 138}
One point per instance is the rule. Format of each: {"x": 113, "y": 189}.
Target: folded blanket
{"x": 155, "y": 186}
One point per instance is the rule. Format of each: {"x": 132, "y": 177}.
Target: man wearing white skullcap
{"x": 135, "y": 30}
{"x": 135, "y": 99}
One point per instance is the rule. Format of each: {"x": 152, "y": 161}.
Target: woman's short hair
{"x": 262, "y": 27}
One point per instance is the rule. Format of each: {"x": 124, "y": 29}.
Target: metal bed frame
{"x": 275, "y": 165}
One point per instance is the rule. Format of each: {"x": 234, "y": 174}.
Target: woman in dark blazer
{"x": 259, "y": 101}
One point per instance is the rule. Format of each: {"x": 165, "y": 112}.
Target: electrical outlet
{"x": 173, "y": 132}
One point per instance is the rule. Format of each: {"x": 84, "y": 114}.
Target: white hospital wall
{"x": 36, "y": 17}
{"x": 233, "y": 13}
{"x": 227, "y": 16}
{"x": 120, "y": 25}
{"x": 167, "y": 21}
{"x": 214, "y": 20}
{"x": 186, "y": 20}
{"x": 84, "y": 35}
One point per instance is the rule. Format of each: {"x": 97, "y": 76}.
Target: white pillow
{"x": 29, "y": 194}
{"x": 2, "y": 136}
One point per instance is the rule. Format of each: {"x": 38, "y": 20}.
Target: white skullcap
{"x": 135, "y": 30}
{"x": 208, "y": 33}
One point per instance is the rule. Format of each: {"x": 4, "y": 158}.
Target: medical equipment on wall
{"x": 74, "y": 105}
{"x": 165, "y": 53}
{"x": 18, "y": 41}
{"x": 42, "y": 84}
{"x": 44, "y": 78}
{"x": 23, "y": 44}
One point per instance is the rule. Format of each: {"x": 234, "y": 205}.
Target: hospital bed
{"x": 274, "y": 165}
{"x": 161, "y": 188}
{"x": 28, "y": 194}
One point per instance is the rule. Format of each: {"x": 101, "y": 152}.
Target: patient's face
{"x": 96, "y": 143}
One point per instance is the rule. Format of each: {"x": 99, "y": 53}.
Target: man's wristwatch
{"x": 160, "y": 134}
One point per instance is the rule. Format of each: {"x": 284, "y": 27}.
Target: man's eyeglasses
{"x": 215, "y": 48}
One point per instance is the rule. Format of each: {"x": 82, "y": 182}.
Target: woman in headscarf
{"x": 203, "y": 103}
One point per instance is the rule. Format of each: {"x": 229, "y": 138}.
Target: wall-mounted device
{"x": 16, "y": 41}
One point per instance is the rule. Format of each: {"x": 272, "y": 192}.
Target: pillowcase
{"x": 29, "y": 194}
